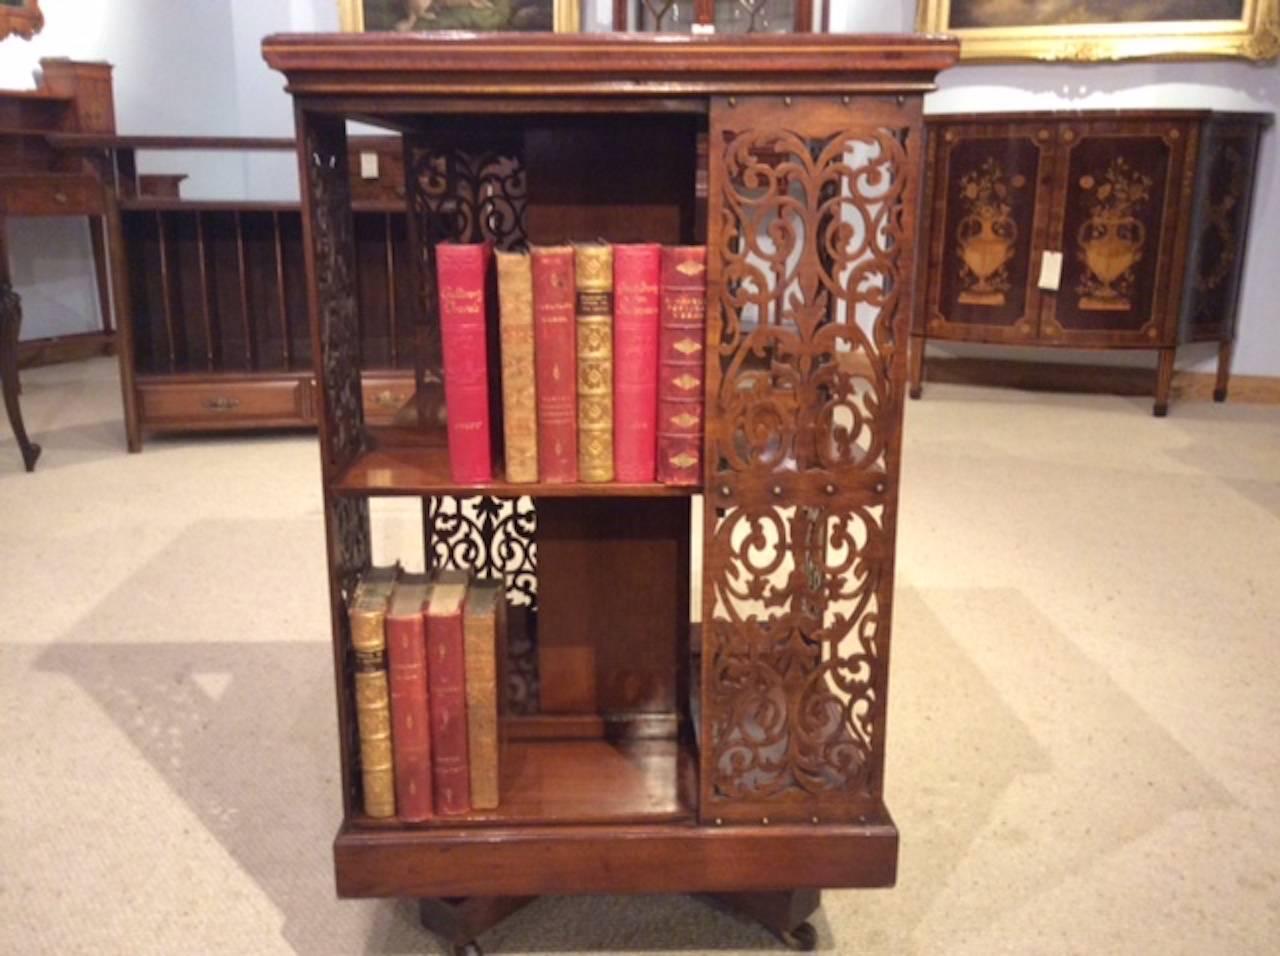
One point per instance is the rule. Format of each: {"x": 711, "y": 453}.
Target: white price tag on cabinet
{"x": 368, "y": 165}
{"x": 1050, "y": 271}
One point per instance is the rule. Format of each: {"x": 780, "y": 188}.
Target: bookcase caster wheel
{"x": 803, "y": 939}
{"x": 468, "y": 949}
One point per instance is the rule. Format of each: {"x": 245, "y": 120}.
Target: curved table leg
{"x": 10, "y": 321}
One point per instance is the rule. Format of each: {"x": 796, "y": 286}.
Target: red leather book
{"x": 461, "y": 273}
{"x": 682, "y": 361}
{"x": 635, "y": 361}
{"x": 556, "y": 360}
{"x": 451, "y": 773}
{"x": 407, "y": 675}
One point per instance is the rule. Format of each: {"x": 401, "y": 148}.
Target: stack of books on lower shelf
{"x": 428, "y": 650}
{"x": 602, "y": 355}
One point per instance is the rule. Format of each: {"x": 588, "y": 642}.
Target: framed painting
{"x": 1088, "y": 30}
{"x": 22, "y": 17}
{"x": 480, "y": 16}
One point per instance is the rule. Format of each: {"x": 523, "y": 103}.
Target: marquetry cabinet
{"x": 1094, "y": 230}
{"x": 743, "y": 758}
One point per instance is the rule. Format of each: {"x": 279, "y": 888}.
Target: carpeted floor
{"x": 1083, "y": 736}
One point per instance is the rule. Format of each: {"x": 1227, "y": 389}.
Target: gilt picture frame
{"x": 479, "y": 16}
{"x": 1099, "y": 30}
{"x": 20, "y": 17}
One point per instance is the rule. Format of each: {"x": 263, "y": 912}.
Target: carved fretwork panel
{"x": 1217, "y": 252}
{"x": 330, "y": 231}
{"x": 495, "y": 538}
{"x": 812, "y": 216}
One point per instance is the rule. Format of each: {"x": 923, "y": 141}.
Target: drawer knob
{"x": 61, "y": 197}
{"x": 388, "y": 399}
{"x": 221, "y": 403}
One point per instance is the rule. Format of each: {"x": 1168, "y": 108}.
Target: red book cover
{"x": 635, "y": 361}
{"x": 682, "y": 361}
{"x": 556, "y": 360}
{"x": 407, "y": 675}
{"x": 461, "y": 273}
{"x": 451, "y": 769}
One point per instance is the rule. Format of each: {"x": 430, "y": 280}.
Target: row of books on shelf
{"x": 427, "y": 651}
{"x": 601, "y": 365}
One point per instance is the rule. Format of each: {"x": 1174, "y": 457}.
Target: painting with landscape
{"x": 485, "y": 16}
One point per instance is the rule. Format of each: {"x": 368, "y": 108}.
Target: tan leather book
{"x": 484, "y": 623}
{"x": 367, "y": 613}
{"x": 519, "y": 393}
{"x": 593, "y": 271}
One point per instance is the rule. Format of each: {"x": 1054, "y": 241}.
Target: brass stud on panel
{"x": 725, "y": 491}
{"x": 845, "y": 99}
{"x": 719, "y": 822}
{"x": 764, "y": 821}
{"x": 786, "y": 101}
{"x": 733, "y": 101}
{"x": 879, "y": 487}
{"x": 829, "y": 488}
{"x": 777, "y": 491}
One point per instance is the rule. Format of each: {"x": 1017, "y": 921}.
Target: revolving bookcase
{"x": 742, "y": 759}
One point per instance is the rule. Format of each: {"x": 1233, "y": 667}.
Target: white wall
{"x": 195, "y": 67}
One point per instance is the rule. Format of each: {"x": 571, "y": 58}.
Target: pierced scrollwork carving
{"x": 334, "y": 250}
{"x": 811, "y": 260}
{"x": 492, "y": 538}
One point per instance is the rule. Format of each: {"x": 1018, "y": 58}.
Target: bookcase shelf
{"x": 748, "y": 764}
{"x": 425, "y": 471}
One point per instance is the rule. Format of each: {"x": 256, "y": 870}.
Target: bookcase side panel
{"x": 328, "y": 241}
{"x": 812, "y": 206}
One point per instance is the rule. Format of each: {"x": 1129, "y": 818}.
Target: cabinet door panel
{"x": 1118, "y": 221}
{"x": 989, "y": 214}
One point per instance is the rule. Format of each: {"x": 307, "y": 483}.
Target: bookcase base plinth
{"x": 648, "y": 858}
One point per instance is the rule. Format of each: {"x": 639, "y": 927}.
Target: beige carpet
{"x": 1082, "y": 745}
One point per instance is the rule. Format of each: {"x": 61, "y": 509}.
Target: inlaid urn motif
{"x": 1111, "y": 241}
{"x": 987, "y": 233}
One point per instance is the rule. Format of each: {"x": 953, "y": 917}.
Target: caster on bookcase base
{"x": 803, "y": 939}
{"x": 468, "y": 949}
{"x": 459, "y": 920}
{"x": 784, "y": 913}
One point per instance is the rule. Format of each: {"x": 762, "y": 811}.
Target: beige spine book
{"x": 368, "y": 613}
{"x": 593, "y": 269}
{"x": 519, "y": 392}
{"x": 483, "y": 626}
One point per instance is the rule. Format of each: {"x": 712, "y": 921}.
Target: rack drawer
{"x": 266, "y": 403}
{"x": 51, "y": 195}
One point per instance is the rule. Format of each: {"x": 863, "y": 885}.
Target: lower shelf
{"x": 637, "y": 858}
{"x": 590, "y": 781}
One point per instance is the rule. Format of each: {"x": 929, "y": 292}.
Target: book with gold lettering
{"x": 682, "y": 361}
{"x": 446, "y": 680}
{"x": 635, "y": 360}
{"x": 593, "y": 311}
{"x": 519, "y": 391}
{"x": 461, "y": 274}
{"x": 367, "y": 613}
{"x": 555, "y": 361}
{"x": 484, "y": 623}
{"x": 407, "y": 678}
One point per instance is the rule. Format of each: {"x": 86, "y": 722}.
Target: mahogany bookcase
{"x": 746, "y": 763}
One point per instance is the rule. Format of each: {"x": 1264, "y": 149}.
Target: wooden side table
{"x": 10, "y": 323}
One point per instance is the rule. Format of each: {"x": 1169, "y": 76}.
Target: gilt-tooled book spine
{"x": 482, "y": 621}
{"x": 636, "y": 270}
{"x": 407, "y": 677}
{"x": 682, "y": 361}
{"x": 461, "y": 273}
{"x": 367, "y": 615}
{"x": 593, "y": 274}
{"x": 448, "y": 705}
{"x": 519, "y": 391}
{"x": 555, "y": 363}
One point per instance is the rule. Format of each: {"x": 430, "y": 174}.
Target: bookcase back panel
{"x": 811, "y": 212}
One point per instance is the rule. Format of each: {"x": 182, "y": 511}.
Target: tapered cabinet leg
{"x": 1224, "y": 371}
{"x": 1164, "y": 380}
{"x": 785, "y": 913}
{"x": 918, "y": 343}
{"x": 459, "y": 920}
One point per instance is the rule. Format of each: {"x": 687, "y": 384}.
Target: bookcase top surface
{"x": 610, "y": 64}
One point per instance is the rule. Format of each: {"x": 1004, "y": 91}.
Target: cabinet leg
{"x": 918, "y": 343}
{"x": 1224, "y": 371}
{"x": 785, "y": 913}
{"x": 1164, "y": 379}
{"x": 459, "y": 920}
{"x": 10, "y": 321}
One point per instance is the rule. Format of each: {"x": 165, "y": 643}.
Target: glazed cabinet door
{"x": 811, "y": 222}
{"x": 989, "y": 211}
{"x": 1117, "y": 223}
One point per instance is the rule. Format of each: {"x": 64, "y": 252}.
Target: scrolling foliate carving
{"x": 333, "y": 244}
{"x": 495, "y": 538}
{"x": 813, "y": 209}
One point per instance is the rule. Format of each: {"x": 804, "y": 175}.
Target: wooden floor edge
{"x": 1107, "y": 379}
{"x": 65, "y": 348}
